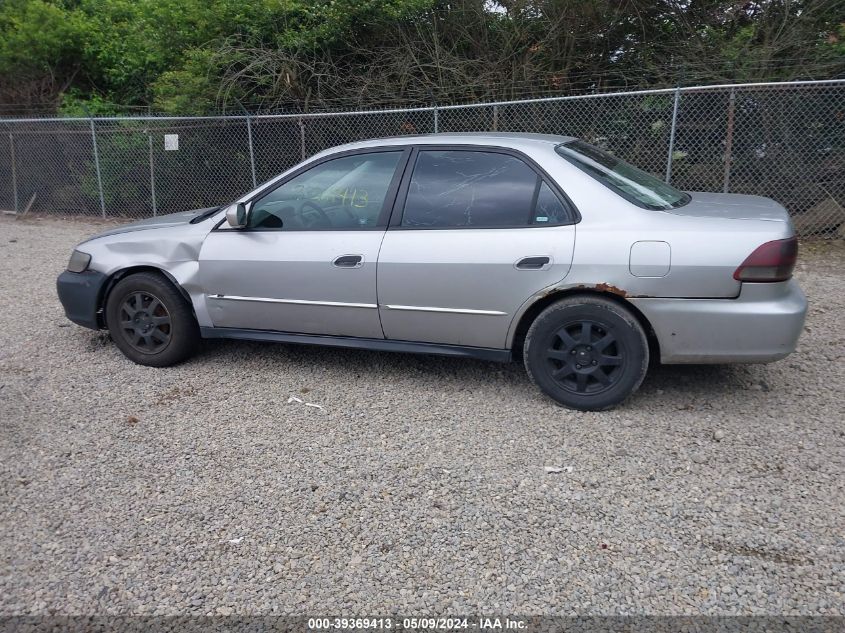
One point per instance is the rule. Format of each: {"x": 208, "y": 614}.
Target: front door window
{"x": 339, "y": 194}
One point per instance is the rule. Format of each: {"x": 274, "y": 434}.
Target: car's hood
{"x": 732, "y": 205}
{"x": 158, "y": 222}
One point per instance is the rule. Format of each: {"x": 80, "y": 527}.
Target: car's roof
{"x": 514, "y": 140}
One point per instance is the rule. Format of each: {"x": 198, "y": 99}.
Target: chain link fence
{"x": 781, "y": 140}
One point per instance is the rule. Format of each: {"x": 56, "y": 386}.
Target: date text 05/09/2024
{"x": 416, "y": 624}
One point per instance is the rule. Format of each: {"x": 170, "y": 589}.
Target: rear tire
{"x": 587, "y": 353}
{"x": 150, "y": 321}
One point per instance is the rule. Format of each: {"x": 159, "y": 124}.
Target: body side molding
{"x": 336, "y": 304}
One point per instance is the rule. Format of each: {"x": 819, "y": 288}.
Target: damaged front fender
{"x": 174, "y": 250}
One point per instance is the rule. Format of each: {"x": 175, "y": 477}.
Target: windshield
{"x": 633, "y": 184}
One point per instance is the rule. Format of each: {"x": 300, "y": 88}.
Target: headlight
{"x": 78, "y": 261}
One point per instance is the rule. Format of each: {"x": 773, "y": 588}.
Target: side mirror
{"x": 236, "y": 215}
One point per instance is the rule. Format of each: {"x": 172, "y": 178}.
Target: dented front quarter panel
{"x": 173, "y": 249}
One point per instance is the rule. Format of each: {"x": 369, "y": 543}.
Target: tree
{"x": 40, "y": 52}
{"x": 198, "y": 56}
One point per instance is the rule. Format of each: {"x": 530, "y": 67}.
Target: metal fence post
{"x": 96, "y": 162}
{"x": 249, "y": 141}
{"x": 302, "y": 138}
{"x": 14, "y": 171}
{"x": 436, "y": 119}
{"x": 672, "y": 135}
{"x": 251, "y": 153}
{"x": 152, "y": 175}
{"x": 495, "y": 118}
{"x": 729, "y": 142}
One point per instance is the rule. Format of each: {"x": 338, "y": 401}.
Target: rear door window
{"x": 459, "y": 188}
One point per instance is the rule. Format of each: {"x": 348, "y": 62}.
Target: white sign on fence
{"x": 171, "y": 142}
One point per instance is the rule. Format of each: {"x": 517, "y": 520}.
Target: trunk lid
{"x": 735, "y": 206}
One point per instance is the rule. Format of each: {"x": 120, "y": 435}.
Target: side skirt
{"x": 381, "y": 345}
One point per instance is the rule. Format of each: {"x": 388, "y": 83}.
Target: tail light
{"x": 772, "y": 261}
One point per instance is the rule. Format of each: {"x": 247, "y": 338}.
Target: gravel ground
{"x": 420, "y": 487}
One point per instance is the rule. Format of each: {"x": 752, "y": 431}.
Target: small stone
{"x": 718, "y": 435}
{"x": 698, "y": 458}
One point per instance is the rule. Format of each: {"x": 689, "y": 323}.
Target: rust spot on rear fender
{"x": 602, "y": 287}
{"x": 611, "y": 289}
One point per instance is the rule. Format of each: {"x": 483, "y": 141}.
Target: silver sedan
{"x": 495, "y": 246}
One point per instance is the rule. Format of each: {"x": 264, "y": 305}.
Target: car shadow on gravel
{"x": 344, "y": 360}
{"x": 710, "y": 380}
{"x": 339, "y": 363}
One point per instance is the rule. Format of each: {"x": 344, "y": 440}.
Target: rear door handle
{"x": 532, "y": 263}
{"x": 348, "y": 261}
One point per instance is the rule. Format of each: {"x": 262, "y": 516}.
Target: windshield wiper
{"x": 205, "y": 215}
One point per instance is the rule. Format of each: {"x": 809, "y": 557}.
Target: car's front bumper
{"x": 761, "y": 325}
{"x": 80, "y": 296}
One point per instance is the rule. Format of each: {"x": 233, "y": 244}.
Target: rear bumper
{"x": 80, "y": 296}
{"x": 761, "y": 325}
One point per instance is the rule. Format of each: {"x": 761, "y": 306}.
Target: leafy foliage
{"x": 198, "y": 56}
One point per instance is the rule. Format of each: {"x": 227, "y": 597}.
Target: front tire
{"x": 150, "y": 321}
{"x": 587, "y": 353}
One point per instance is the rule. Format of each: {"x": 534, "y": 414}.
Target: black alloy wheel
{"x": 150, "y": 321}
{"x": 585, "y": 358}
{"x": 587, "y": 352}
{"x": 145, "y": 322}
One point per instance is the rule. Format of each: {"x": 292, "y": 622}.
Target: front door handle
{"x": 532, "y": 263}
{"x": 348, "y": 261}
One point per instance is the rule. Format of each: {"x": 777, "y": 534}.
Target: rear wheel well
{"x": 538, "y": 306}
{"x": 125, "y": 272}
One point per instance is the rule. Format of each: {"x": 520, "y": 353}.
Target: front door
{"x": 306, "y": 262}
{"x": 481, "y": 231}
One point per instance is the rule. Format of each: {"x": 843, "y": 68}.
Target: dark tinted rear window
{"x": 454, "y": 188}
{"x": 633, "y": 184}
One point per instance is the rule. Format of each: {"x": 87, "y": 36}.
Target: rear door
{"x": 306, "y": 262}
{"x": 476, "y": 231}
